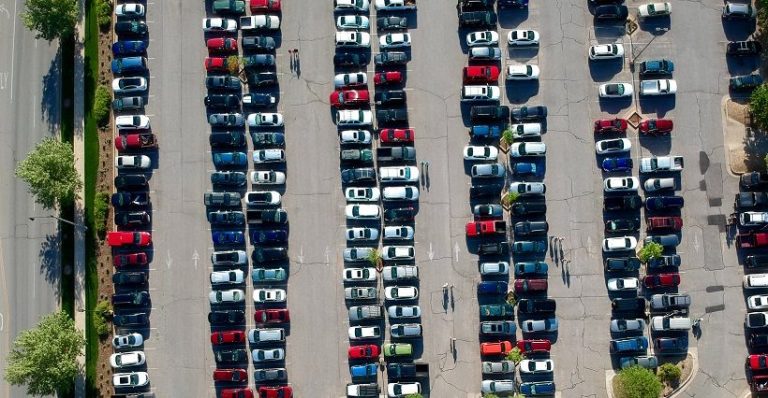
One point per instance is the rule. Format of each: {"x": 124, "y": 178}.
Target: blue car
{"x": 513, "y": 3}
{"x": 268, "y": 236}
{"x": 492, "y": 287}
{"x": 664, "y": 202}
{"x": 538, "y": 388}
{"x": 617, "y": 164}
{"x": 129, "y": 65}
{"x": 230, "y": 159}
{"x": 485, "y": 132}
{"x": 228, "y": 237}
{"x": 129, "y": 47}
{"x": 524, "y": 168}
{"x": 363, "y": 371}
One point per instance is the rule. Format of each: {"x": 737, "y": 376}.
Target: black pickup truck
{"x": 416, "y": 370}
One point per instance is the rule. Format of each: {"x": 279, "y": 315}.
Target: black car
{"x": 392, "y": 115}
{"x": 489, "y": 113}
{"x": 222, "y": 101}
{"x": 238, "y": 355}
{"x": 227, "y": 139}
{"x": 129, "y": 278}
{"x": 389, "y": 97}
{"x": 261, "y": 79}
{"x": 390, "y": 58}
{"x": 671, "y": 345}
{"x": 350, "y": 59}
{"x": 536, "y": 306}
{"x": 131, "y": 298}
{"x": 476, "y": 5}
{"x": 138, "y": 319}
{"x": 226, "y": 217}
{"x": 634, "y": 304}
{"x": 130, "y": 199}
{"x": 758, "y": 340}
{"x": 228, "y": 178}
{"x": 363, "y": 174}
{"x": 228, "y": 199}
{"x": 265, "y": 254}
{"x": 499, "y": 248}
{"x": 131, "y": 28}
{"x": 528, "y": 208}
{"x": 477, "y": 19}
{"x": 523, "y": 113}
{"x": 488, "y": 211}
{"x": 484, "y": 190}
{"x": 132, "y": 219}
{"x": 391, "y": 23}
{"x": 222, "y": 83}
{"x": 127, "y": 103}
{"x": 753, "y": 180}
{"x": 664, "y": 202}
{"x": 741, "y": 48}
{"x": 259, "y": 61}
{"x": 622, "y": 264}
{"x": 611, "y": 12}
{"x": 526, "y": 228}
{"x": 258, "y": 43}
{"x": 756, "y": 261}
{"x": 668, "y": 261}
{"x": 226, "y": 317}
{"x": 131, "y": 181}
{"x": 750, "y": 200}
{"x": 614, "y": 203}
{"x": 265, "y": 140}
{"x": 403, "y": 214}
{"x": 621, "y": 225}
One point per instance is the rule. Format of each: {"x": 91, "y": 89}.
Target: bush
{"x": 101, "y": 103}
{"x": 515, "y": 355}
{"x": 765, "y": 162}
{"x": 233, "y": 64}
{"x": 506, "y": 136}
{"x": 669, "y": 373}
{"x": 100, "y": 210}
{"x": 100, "y": 316}
{"x": 637, "y": 382}
{"x": 510, "y": 198}
{"x": 758, "y": 106}
{"x": 650, "y": 251}
{"x": 374, "y": 257}
{"x": 104, "y": 13}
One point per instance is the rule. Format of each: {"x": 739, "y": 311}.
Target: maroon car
{"x": 122, "y": 260}
{"x": 235, "y": 375}
{"x": 275, "y": 392}
{"x": 390, "y": 77}
{"x": 610, "y": 126}
{"x": 656, "y": 126}
{"x": 530, "y": 285}
{"x": 347, "y": 98}
{"x": 228, "y": 337}
{"x": 661, "y": 280}
{"x": 278, "y": 315}
{"x": 533, "y": 346}
{"x": 673, "y": 223}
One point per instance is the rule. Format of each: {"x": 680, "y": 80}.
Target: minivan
{"x": 261, "y": 336}
{"x": 480, "y": 93}
{"x": 670, "y": 240}
{"x": 667, "y": 323}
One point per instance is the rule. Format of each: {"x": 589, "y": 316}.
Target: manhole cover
{"x": 634, "y": 119}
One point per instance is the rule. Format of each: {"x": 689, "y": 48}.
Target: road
{"x": 29, "y": 107}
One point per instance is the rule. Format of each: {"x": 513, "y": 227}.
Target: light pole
{"x": 83, "y": 227}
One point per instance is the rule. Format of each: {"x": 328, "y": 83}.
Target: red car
{"x": 236, "y": 375}
{"x": 499, "y": 348}
{"x": 345, "y": 98}
{"x": 611, "y": 126}
{"x": 673, "y": 223}
{"x": 216, "y": 64}
{"x": 389, "y": 136}
{"x": 121, "y": 260}
{"x": 258, "y": 6}
{"x": 530, "y": 285}
{"x": 125, "y": 238}
{"x": 227, "y": 337}
{"x": 757, "y": 362}
{"x": 222, "y": 44}
{"x": 391, "y": 77}
{"x": 279, "y": 315}
{"x": 135, "y": 141}
{"x": 656, "y": 126}
{"x": 661, "y": 280}
{"x": 236, "y": 393}
{"x": 481, "y": 74}
{"x": 534, "y": 346}
{"x": 275, "y": 392}
{"x": 366, "y": 351}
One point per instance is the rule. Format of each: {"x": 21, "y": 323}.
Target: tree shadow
{"x": 49, "y": 261}
{"x": 50, "y": 98}
{"x": 755, "y": 146}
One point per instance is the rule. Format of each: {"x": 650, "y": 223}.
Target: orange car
{"x": 498, "y": 348}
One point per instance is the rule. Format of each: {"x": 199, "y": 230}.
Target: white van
{"x": 756, "y": 281}
{"x": 480, "y": 93}
{"x": 667, "y": 323}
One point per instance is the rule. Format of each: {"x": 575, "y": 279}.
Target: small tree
{"x": 758, "y": 105}
{"x": 414, "y": 396}
{"x": 515, "y": 355}
{"x": 45, "y": 358}
{"x": 104, "y": 13}
{"x": 637, "y": 382}
{"x": 233, "y": 64}
{"x": 49, "y": 170}
{"x": 509, "y": 198}
{"x": 669, "y": 373}
{"x": 374, "y": 257}
{"x": 100, "y": 317}
{"x": 650, "y": 251}
{"x": 507, "y": 137}
{"x": 52, "y": 19}
{"x": 101, "y": 103}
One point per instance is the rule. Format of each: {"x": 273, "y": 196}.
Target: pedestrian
{"x": 296, "y": 54}
{"x": 445, "y": 285}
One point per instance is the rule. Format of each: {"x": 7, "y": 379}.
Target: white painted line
{"x": 431, "y": 253}
{"x": 13, "y": 44}
{"x": 456, "y": 250}
{"x": 195, "y": 258}
{"x": 2, "y": 323}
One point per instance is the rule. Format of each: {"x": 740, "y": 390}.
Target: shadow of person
{"x": 297, "y": 66}
{"x": 453, "y": 301}
{"x": 445, "y": 299}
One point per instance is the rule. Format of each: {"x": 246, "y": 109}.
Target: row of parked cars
{"x": 744, "y": 14}
{"x": 398, "y": 190}
{"x": 134, "y": 143}
{"x": 263, "y": 218}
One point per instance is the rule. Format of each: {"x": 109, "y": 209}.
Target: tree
{"x": 50, "y": 172}
{"x": 509, "y": 198}
{"x": 52, "y": 19}
{"x": 669, "y": 373}
{"x": 233, "y": 64}
{"x": 414, "y": 396}
{"x": 758, "y": 106}
{"x": 507, "y": 137}
{"x": 650, "y": 251}
{"x": 515, "y": 355}
{"x": 374, "y": 257}
{"x": 637, "y": 382}
{"x": 45, "y": 358}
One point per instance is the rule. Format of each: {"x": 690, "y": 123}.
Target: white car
{"x": 403, "y": 389}
{"x": 497, "y": 386}
{"x": 395, "y": 40}
{"x": 268, "y": 354}
{"x": 219, "y": 25}
{"x": 350, "y": 79}
{"x": 756, "y": 281}
{"x": 362, "y": 194}
{"x": 621, "y": 243}
{"x": 521, "y": 149}
{"x": 494, "y": 268}
{"x": 621, "y": 184}
{"x": 399, "y": 173}
{"x": 614, "y": 145}
{"x": 623, "y": 284}
{"x": 522, "y": 37}
{"x": 355, "y": 137}
{"x": 485, "y": 53}
{"x": 658, "y": 184}
{"x": 227, "y": 277}
{"x": 226, "y": 296}
{"x": 654, "y": 10}
{"x": 353, "y": 254}
{"x": 404, "y": 311}
{"x": 758, "y": 302}
{"x": 128, "y": 85}
{"x": 488, "y": 170}
{"x": 522, "y": 72}
{"x": 398, "y": 232}
{"x": 362, "y": 212}
{"x": 482, "y": 38}
{"x": 265, "y": 120}
{"x": 606, "y": 51}
{"x": 354, "y": 117}
{"x": 400, "y": 193}
{"x": 392, "y": 253}
{"x": 526, "y": 130}
{"x": 129, "y": 10}
{"x": 127, "y": 359}
{"x": 136, "y": 162}
{"x": 269, "y": 296}
{"x": 267, "y": 177}
{"x": 536, "y": 366}
{"x": 475, "y": 152}
{"x": 268, "y": 155}
{"x": 480, "y": 93}
{"x": 130, "y": 380}
{"x": 359, "y": 274}
{"x": 353, "y": 39}
{"x": 753, "y": 218}
{"x": 352, "y": 22}
{"x": 401, "y": 293}
{"x": 364, "y": 332}
{"x": 351, "y": 5}
{"x": 615, "y": 90}
{"x": 132, "y": 122}
{"x": 362, "y": 233}
{"x": 130, "y": 340}
{"x": 528, "y": 188}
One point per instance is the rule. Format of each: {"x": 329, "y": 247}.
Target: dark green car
{"x": 236, "y": 7}
{"x": 745, "y": 82}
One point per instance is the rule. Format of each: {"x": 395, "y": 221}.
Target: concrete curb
{"x": 724, "y": 124}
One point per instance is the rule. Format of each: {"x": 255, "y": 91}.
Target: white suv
{"x": 480, "y": 93}
{"x": 354, "y": 117}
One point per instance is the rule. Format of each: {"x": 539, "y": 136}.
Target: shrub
{"x": 515, "y": 355}
{"x": 650, "y": 251}
{"x": 100, "y": 316}
{"x": 637, "y": 382}
{"x": 669, "y": 373}
{"x": 506, "y": 136}
{"x": 374, "y": 257}
{"x": 104, "y": 13}
{"x": 758, "y": 106}
{"x": 510, "y": 198}
{"x": 233, "y": 64}
{"x": 100, "y": 210}
{"x": 101, "y": 103}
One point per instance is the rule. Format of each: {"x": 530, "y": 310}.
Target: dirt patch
{"x": 737, "y": 112}
{"x": 746, "y": 146}
{"x": 686, "y": 367}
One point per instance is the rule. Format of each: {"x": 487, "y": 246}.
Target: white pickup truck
{"x": 395, "y": 5}
{"x": 265, "y": 22}
{"x": 661, "y": 163}
{"x": 658, "y": 87}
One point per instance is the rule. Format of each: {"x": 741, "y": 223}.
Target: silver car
{"x": 405, "y": 330}
{"x": 353, "y": 254}
{"x": 490, "y": 170}
{"x": 404, "y": 311}
{"x": 627, "y": 325}
{"x": 498, "y": 367}
{"x": 497, "y": 386}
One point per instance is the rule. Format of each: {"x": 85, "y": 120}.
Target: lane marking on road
{"x": 2, "y": 322}
{"x": 3, "y": 80}
{"x": 327, "y": 256}
{"x": 300, "y": 257}
{"x": 456, "y": 250}
{"x": 430, "y": 253}
{"x": 195, "y": 257}
{"x": 13, "y": 45}
{"x": 168, "y": 259}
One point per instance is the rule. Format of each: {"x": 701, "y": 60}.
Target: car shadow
{"x": 520, "y": 92}
{"x": 604, "y": 70}
{"x": 614, "y": 106}
{"x": 510, "y": 18}
{"x": 659, "y": 105}
{"x": 738, "y": 30}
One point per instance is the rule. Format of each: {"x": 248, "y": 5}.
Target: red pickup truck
{"x": 490, "y": 227}
{"x": 752, "y": 240}
{"x": 657, "y": 223}
{"x": 135, "y": 141}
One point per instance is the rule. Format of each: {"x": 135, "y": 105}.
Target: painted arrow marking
{"x": 431, "y": 252}
{"x": 300, "y": 257}
{"x": 168, "y": 259}
{"x": 195, "y": 257}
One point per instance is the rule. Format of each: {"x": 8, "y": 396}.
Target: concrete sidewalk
{"x": 79, "y": 148}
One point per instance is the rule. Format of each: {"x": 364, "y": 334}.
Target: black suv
{"x": 228, "y": 317}
{"x": 536, "y": 306}
{"x": 498, "y": 248}
{"x": 222, "y": 101}
{"x": 484, "y": 190}
{"x": 264, "y": 254}
{"x": 634, "y": 304}
{"x": 611, "y": 12}
{"x": 740, "y": 48}
{"x": 391, "y": 23}
{"x": 488, "y": 113}
{"x": 756, "y": 261}
{"x": 131, "y": 181}
{"x": 130, "y": 199}
{"x": 131, "y": 219}
{"x": 227, "y": 139}
{"x": 631, "y": 202}
{"x": 528, "y": 208}
{"x": 258, "y": 43}
{"x": 524, "y": 113}
{"x": 350, "y": 59}
{"x": 622, "y": 264}
{"x": 477, "y": 19}
{"x": 392, "y": 115}
{"x": 139, "y": 319}
{"x": 222, "y": 83}
{"x": 390, "y": 58}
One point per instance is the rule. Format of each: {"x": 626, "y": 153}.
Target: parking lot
{"x": 180, "y": 359}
